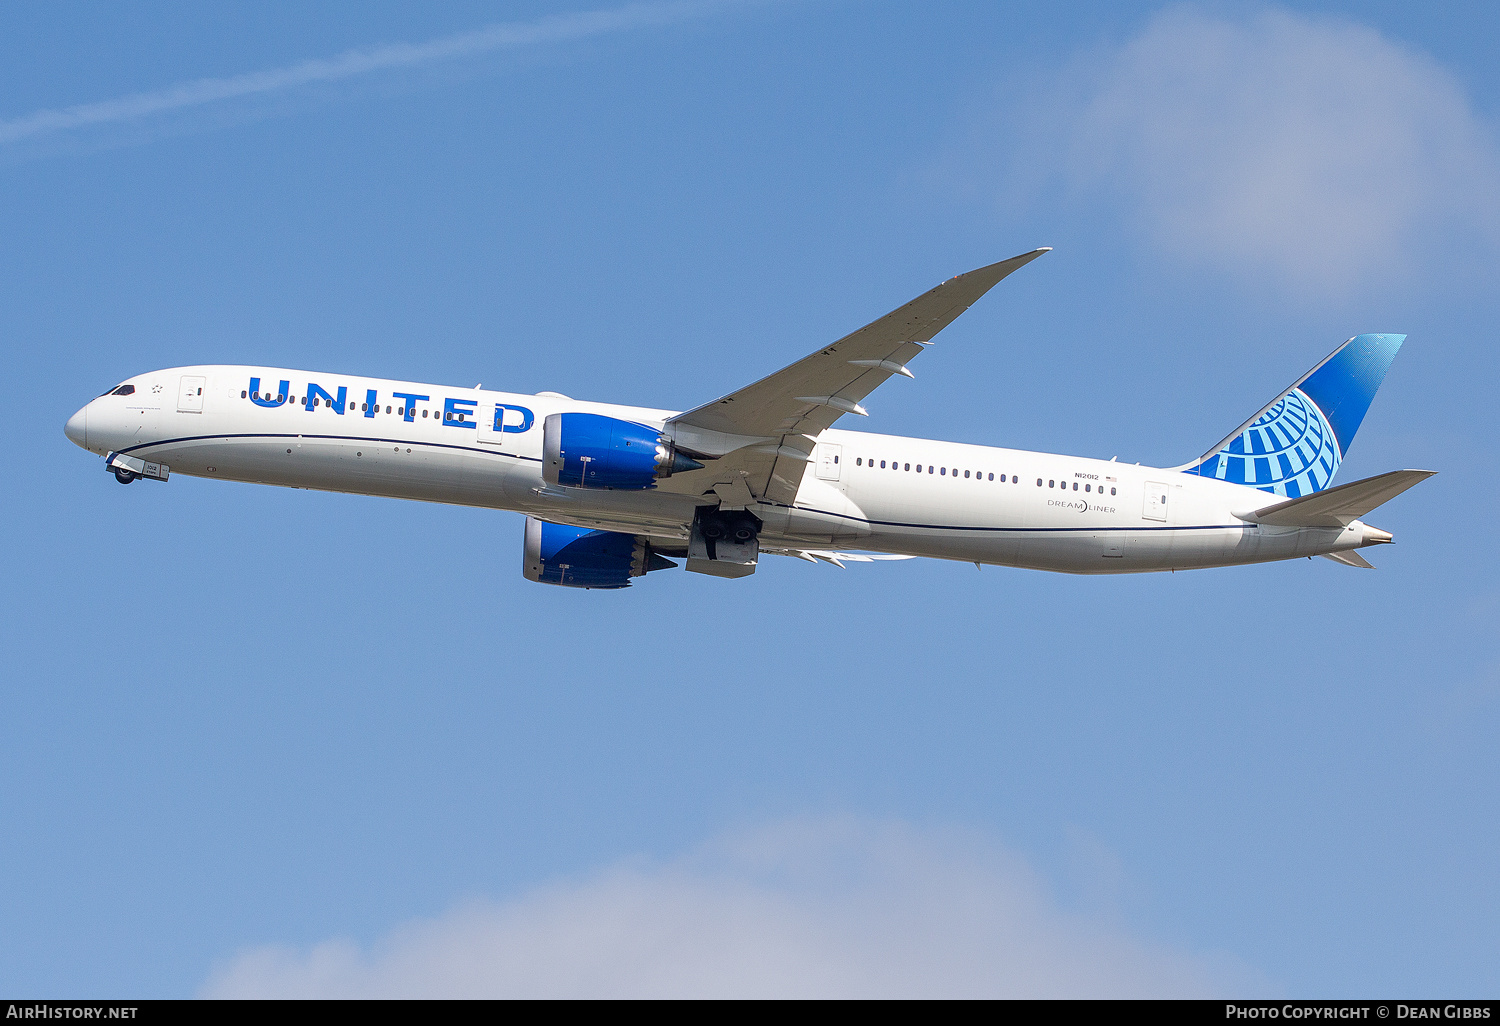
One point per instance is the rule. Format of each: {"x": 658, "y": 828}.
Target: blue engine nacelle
{"x": 585, "y": 450}
{"x": 577, "y": 557}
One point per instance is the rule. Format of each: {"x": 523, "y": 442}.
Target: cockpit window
{"x": 122, "y": 390}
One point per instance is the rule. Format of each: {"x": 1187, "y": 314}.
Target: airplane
{"x": 611, "y": 493}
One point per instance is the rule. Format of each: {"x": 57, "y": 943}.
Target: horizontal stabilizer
{"x": 1336, "y": 507}
{"x": 1349, "y": 558}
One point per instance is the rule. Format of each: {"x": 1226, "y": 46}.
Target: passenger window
{"x": 943, "y": 471}
{"x": 387, "y": 409}
{"x": 992, "y": 477}
{"x": 882, "y": 464}
{"x": 929, "y": 468}
{"x": 908, "y": 466}
{"x": 835, "y": 459}
{"x": 1052, "y": 484}
{"x": 966, "y": 474}
{"x": 424, "y": 414}
{"x": 1111, "y": 491}
{"x": 859, "y": 461}
{"x": 1075, "y": 486}
{"x": 242, "y": 395}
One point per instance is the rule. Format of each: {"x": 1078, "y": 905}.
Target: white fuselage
{"x": 866, "y": 491}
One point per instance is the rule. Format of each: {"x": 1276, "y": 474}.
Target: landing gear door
{"x": 828, "y": 462}
{"x": 190, "y": 394}
{"x": 1155, "y": 507}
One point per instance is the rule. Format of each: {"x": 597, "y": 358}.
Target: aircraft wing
{"x": 838, "y": 559}
{"x": 761, "y": 437}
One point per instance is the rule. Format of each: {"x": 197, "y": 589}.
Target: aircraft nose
{"x": 77, "y": 428}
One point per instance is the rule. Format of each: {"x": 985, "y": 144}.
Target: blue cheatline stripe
{"x": 805, "y": 509}
{"x": 338, "y": 438}
{"x": 1016, "y": 530}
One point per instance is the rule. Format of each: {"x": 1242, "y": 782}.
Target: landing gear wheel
{"x": 124, "y": 476}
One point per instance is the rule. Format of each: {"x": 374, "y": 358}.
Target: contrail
{"x": 503, "y": 36}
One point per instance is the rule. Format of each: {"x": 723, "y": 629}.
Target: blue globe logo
{"x": 1289, "y": 450}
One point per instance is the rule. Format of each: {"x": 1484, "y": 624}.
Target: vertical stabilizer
{"x": 1294, "y": 446}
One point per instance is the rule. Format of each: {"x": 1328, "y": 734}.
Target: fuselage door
{"x": 1156, "y": 501}
{"x": 190, "y": 394}
{"x": 490, "y": 419}
{"x": 828, "y": 462}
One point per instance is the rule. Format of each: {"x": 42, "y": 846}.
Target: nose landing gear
{"x": 127, "y": 468}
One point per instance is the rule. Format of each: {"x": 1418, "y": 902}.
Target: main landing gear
{"x": 724, "y": 543}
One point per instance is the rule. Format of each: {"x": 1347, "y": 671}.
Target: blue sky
{"x": 263, "y": 741}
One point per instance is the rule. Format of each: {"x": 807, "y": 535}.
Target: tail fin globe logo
{"x": 1290, "y": 450}
{"x": 1294, "y": 446}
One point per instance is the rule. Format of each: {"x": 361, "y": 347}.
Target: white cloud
{"x": 506, "y": 36}
{"x": 1313, "y": 150}
{"x": 806, "y": 908}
